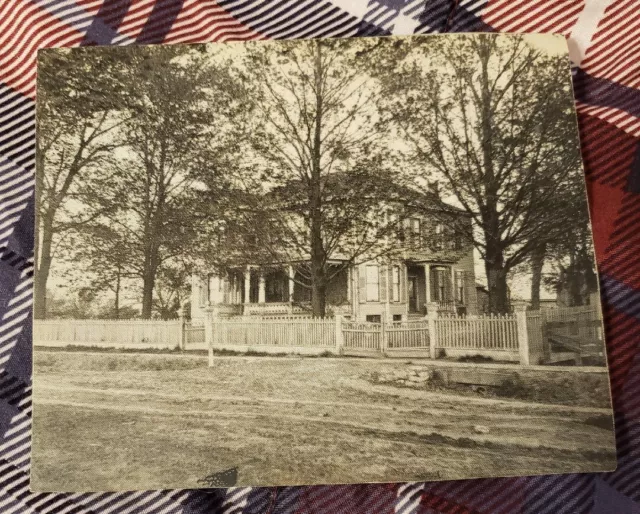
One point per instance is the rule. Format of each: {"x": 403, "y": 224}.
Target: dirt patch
{"x": 170, "y": 421}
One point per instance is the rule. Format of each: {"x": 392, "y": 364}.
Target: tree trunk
{"x": 497, "y": 282}
{"x": 537, "y": 262}
{"x": 318, "y": 272}
{"x": 116, "y": 302}
{"x": 149, "y": 277}
{"x": 43, "y": 263}
{"x": 318, "y": 299}
{"x": 148, "y": 282}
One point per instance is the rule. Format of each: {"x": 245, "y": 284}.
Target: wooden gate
{"x": 362, "y": 338}
{"x": 577, "y": 340}
{"x": 407, "y": 335}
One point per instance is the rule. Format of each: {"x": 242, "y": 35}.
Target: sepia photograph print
{"x": 313, "y": 262}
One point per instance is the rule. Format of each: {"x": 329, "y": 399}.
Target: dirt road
{"x": 110, "y": 421}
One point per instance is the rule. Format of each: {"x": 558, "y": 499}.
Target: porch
{"x": 439, "y": 284}
{"x": 272, "y": 291}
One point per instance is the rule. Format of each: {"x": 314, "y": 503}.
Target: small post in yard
{"x": 208, "y": 333}
{"x": 383, "y": 337}
{"x": 432, "y": 316}
{"x": 520, "y": 310}
{"x": 181, "y": 329}
{"x": 339, "y": 334}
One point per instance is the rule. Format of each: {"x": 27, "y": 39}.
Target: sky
{"x": 548, "y": 44}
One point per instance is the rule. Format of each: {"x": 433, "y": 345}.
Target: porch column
{"x": 214, "y": 289}
{"x": 292, "y": 274}
{"x": 349, "y": 299}
{"x": 427, "y": 282}
{"x": 261, "y": 289}
{"x": 238, "y": 290}
{"x": 247, "y": 284}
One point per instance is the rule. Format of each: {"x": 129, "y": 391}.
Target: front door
{"x": 412, "y": 287}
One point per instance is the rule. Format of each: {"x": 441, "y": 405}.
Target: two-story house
{"x": 430, "y": 261}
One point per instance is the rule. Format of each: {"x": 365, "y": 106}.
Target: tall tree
{"x": 319, "y": 197}
{"x": 74, "y": 120}
{"x": 100, "y": 262}
{"x": 168, "y": 134}
{"x": 492, "y": 117}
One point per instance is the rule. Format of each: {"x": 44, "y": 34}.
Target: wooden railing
{"x": 263, "y": 309}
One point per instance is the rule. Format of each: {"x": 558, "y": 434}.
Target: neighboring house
{"x": 547, "y": 304}
{"x": 428, "y": 262}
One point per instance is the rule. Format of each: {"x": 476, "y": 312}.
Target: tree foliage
{"x": 493, "y": 118}
{"x": 313, "y": 176}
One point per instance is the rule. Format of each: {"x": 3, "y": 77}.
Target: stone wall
{"x": 563, "y": 385}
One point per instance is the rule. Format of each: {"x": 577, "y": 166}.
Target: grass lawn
{"x": 105, "y": 421}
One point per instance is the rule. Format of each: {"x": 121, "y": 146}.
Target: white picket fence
{"x": 362, "y": 336}
{"x": 193, "y": 335}
{"x": 496, "y": 333}
{"x": 517, "y": 337}
{"x": 290, "y": 332}
{"x": 408, "y": 335}
{"x": 125, "y": 333}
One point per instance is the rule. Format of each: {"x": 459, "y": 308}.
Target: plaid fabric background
{"x": 604, "y": 37}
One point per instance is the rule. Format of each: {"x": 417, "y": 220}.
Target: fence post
{"x": 339, "y": 334}
{"x": 383, "y": 337}
{"x": 520, "y": 310}
{"x": 432, "y": 315}
{"x": 181, "y": 334}
{"x": 208, "y": 333}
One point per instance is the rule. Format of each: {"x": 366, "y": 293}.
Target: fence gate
{"x": 407, "y": 335}
{"x": 573, "y": 334}
{"x": 362, "y": 338}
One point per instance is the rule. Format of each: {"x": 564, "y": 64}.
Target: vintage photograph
{"x": 313, "y": 262}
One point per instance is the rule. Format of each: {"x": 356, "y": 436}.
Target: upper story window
{"x": 373, "y": 283}
{"x": 439, "y": 237}
{"x": 413, "y": 230}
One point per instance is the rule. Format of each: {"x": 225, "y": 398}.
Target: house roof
{"x": 378, "y": 186}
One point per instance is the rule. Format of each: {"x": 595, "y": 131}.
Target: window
{"x": 395, "y": 284}
{"x": 373, "y": 283}
{"x": 439, "y": 239}
{"x": 397, "y": 318}
{"x": 414, "y": 227}
{"x": 373, "y": 318}
{"x": 459, "y": 285}
{"x": 440, "y": 285}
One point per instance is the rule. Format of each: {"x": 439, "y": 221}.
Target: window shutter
{"x": 362, "y": 283}
{"x": 463, "y": 284}
{"x": 403, "y": 284}
{"x": 383, "y": 287}
{"x": 390, "y": 285}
